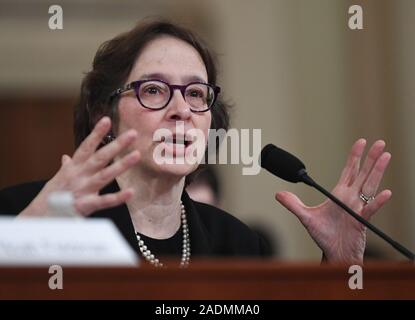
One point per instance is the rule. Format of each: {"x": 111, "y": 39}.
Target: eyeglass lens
{"x": 156, "y": 94}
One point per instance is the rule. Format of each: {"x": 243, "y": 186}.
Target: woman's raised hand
{"x": 88, "y": 171}
{"x": 340, "y": 236}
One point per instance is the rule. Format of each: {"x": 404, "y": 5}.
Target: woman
{"x": 153, "y": 77}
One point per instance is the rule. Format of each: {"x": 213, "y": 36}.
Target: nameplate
{"x": 63, "y": 241}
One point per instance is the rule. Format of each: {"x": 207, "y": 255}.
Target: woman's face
{"x": 176, "y": 62}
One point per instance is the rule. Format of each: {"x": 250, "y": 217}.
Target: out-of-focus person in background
{"x": 150, "y": 78}
{"x": 206, "y": 187}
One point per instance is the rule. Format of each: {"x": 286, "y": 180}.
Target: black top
{"x": 172, "y": 246}
{"x": 213, "y": 232}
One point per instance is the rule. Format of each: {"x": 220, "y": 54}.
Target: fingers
{"x": 103, "y": 177}
{"x": 104, "y": 155}
{"x": 373, "y": 206}
{"x": 92, "y": 141}
{"x": 293, "y": 204}
{"x": 372, "y": 182}
{"x": 372, "y": 157}
{"x": 351, "y": 170}
{"x": 92, "y": 203}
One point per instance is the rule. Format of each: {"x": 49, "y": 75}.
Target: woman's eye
{"x": 152, "y": 90}
{"x": 195, "y": 94}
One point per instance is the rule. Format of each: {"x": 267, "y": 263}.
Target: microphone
{"x": 288, "y": 167}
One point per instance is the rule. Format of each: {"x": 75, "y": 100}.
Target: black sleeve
{"x": 15, "y": 199}
{"x": 228, "y": 236}
{"x": 265, "y": 248}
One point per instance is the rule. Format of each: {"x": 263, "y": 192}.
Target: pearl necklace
{"x": 185, "y": 260}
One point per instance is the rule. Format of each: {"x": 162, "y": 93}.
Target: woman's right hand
{"x": 87, "y": 172}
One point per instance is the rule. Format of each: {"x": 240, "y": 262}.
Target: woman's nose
{"x": 178, "y": 109}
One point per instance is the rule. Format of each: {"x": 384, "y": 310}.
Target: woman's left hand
{"x": 340, "y": 236}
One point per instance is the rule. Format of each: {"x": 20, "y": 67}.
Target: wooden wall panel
{"x": 35, "y": 132}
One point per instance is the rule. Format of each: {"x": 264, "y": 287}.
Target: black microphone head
{"x": 281, "y": 163}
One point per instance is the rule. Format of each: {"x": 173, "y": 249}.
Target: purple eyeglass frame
{"x": 135, "y": 85}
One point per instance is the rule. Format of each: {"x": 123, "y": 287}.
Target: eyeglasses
{"x": 156, "y": 94}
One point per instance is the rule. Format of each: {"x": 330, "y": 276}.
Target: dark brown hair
{"x": 113, "y": 63}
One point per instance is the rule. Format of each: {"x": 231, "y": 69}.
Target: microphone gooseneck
{"x": 288, "y": 167}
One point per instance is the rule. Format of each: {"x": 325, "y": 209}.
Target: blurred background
{"x": 292, "y": 68}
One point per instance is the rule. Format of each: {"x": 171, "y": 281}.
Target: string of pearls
{"x": 185, "y": 260}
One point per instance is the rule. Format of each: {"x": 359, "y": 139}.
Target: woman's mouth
{"x": 181, "y": 141}
{"x": 176, "y": 145}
